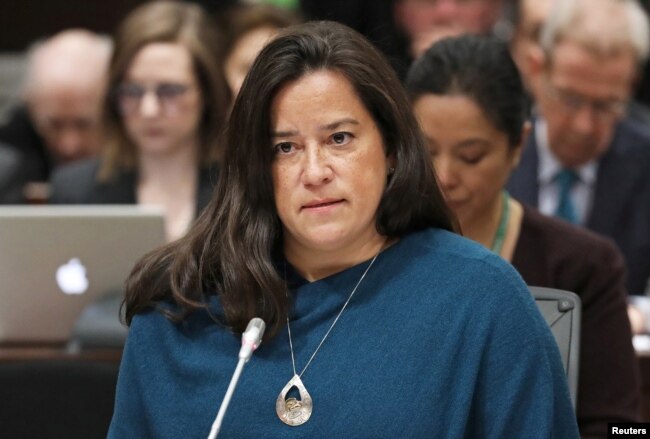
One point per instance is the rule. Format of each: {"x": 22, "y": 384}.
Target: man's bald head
{"x": 64, "y": 89}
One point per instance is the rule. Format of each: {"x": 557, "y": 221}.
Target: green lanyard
{"x": 500, "y": 234}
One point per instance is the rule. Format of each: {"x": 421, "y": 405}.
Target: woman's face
{"x": 243, "y": 53}
{"x": 472, "y": 158}
{"x": 160, "y": 99}
{"x": 330, "y": 166}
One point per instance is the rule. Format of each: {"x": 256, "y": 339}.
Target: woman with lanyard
{"x": 327, "y": 223}
{"x": 469, "y": 99}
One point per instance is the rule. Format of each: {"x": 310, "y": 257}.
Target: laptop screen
{"x": 54, "y": 260}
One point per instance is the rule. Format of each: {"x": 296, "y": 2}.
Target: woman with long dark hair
{"x": 328, "y": 223}
{"x": 470, "y": 100}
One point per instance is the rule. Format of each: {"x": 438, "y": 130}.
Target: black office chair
{"x": 56, "y": 398}
{"x": 562, "y": 311}
{"x": 99, "y": 325}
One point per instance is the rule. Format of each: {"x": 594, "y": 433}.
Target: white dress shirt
{"x": 582, "y": 192}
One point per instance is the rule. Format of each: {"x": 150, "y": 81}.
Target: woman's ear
{"x": 535, "y": 60}
{"x": 391, "y": 162}
{"x": 536, "y": 65}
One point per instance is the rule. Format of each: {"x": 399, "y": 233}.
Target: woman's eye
{"x": 341, "y": 138}
{"x": 283, "y": 147}
{"x": 170, "y": 91}
{"x": 472, "y": 160}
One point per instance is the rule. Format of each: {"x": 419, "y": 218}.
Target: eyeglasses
{"x": 602, "y": 108}
{"x": 129, "y": 96}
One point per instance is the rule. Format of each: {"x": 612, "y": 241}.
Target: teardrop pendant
{"x": 292, "y": 411}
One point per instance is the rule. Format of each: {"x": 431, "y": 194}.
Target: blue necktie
{"x": 566, "y": 210}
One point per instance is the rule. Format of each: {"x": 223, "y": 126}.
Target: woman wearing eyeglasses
{"x": 167, "y": 103}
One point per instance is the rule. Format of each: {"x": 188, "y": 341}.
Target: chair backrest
{"x": 99, "y": 325}
{"x": 562, "y": 311}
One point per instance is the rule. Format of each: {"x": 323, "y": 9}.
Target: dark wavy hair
{"x": 233, "y": 247}
{"x": 480, "y": 68}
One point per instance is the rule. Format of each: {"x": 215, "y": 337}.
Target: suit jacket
{"x": 553, "y": 253}
{"x": 19, "y": 133}
{"x": 621, "y": 203}
{"x": 77, "y": 184}
{"x": 11, "y": 179}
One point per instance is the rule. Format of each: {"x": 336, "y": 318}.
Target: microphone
{"x": 250, "y": 340}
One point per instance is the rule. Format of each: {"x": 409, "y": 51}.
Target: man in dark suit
{"x": 10, "y": 181}
{"x": 585, "y": 160}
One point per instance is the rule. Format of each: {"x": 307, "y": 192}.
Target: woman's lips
{"x": 322, "y": 204}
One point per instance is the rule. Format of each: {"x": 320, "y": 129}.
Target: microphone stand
{"x": 250, "y": 340}
{"x": 216, "y": 425}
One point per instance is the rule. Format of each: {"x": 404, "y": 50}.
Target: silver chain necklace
{"x": 296, "y": 412}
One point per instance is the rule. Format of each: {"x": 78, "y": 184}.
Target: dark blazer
{"x": 621, "y": 205}
{"x": 77, "y": 184}
{"x": 18, "y": 132}
{"x": 11, "y": 178}
{"x": 555, "y": 254}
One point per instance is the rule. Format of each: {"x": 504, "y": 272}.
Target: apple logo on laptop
{"x": 71, "y": 277}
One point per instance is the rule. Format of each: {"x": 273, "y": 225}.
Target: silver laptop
{"x": 55, "y": 260}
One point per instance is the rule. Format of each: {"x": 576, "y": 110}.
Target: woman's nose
{"x": 149, "y": 105}
{"x": 445, "y": 172}
{"x": 317, "y": 167}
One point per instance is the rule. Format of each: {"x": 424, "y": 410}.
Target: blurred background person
{"x": 585, "y": 160}
{"x": 470, "y": 101}
{"x": 166, "y": 107}
{"x": 529, "y": 17}
{"x": 59, "y": 121}
{"x": 423, "y": 22}
{"x": 66, "y": 81}
{"x": 403, "y": 29}
{"x": 427, "y": 21}
{"x": 247, "y": 29}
